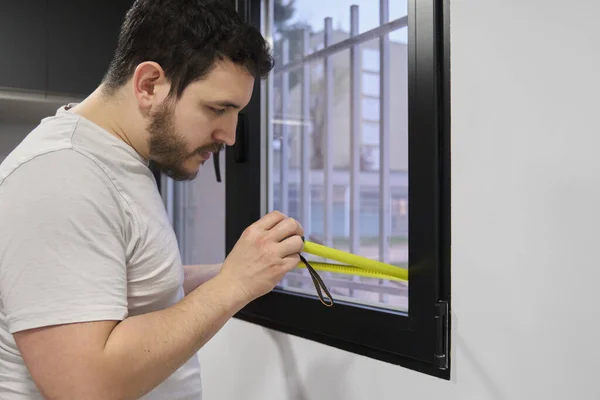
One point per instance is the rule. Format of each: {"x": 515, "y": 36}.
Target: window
{"x": 370, "y": 108}
{"x": 370, "y": 157}
{"x": 370, "y": 133}
{"x": 321, "y": 139}
{"x": 370, "y": 84}
{"x": 370, "y": 59}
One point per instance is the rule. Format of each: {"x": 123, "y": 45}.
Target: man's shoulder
{"x": 60, "y": 185}
{"x": 51, "y": 136}
{"x": 62, "y": 174}
{"x": 30, "y": 164}
{"x": 68, "y": 157}
{"x": 65, "y": 143}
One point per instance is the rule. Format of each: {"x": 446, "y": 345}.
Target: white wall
{"x": 525, "y": 269}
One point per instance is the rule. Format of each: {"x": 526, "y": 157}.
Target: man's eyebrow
{"x": 228, "y": 104}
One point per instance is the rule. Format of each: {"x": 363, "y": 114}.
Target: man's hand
{"x": 266, "y": 251}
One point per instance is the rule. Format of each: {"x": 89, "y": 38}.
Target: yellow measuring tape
{"x": 350, "y": 270}
{"x": 352, "y": 264}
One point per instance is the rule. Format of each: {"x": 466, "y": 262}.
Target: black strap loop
{"x": 318, "y": 282}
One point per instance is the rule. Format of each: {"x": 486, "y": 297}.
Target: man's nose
{"x": 227, "y": 132}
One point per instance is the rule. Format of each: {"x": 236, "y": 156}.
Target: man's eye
{"x": 217, "y": 111}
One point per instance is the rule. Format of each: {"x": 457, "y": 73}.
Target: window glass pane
{"x": 398, "y": 9}
{"x": 370, "y": 84}
{"x": 313, "y": 12}
{"x": 370, "y": 108}
{"x": 370, "y": 155}
{"x": 370, "y": 59}
{"x": 370, "y": 133}
{"x": 329, "y": 219}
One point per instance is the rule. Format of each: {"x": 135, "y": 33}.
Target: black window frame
{"x": 420, "y": 340}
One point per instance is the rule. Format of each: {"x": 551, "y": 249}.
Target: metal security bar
{"x": 345, "y": 44}
{"x": 285, "y": 137}
{"x": 304, "y": 142}
{"x": 355, "y": 113}
{"x": 328, "y": 139}
{"x": 384, "y": 138}
{"x": 355, "y": 140}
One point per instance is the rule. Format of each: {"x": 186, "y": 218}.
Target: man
{"x": 94, "y": 301}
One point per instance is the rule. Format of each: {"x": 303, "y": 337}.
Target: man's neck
{"x": 109, "y": 113}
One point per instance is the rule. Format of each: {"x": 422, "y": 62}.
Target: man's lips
{"x": 205, "y": 155}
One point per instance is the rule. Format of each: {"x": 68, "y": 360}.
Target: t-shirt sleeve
{"x": 63, "y": 236}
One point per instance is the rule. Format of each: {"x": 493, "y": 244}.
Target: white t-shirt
{"x": 84, "y": 236}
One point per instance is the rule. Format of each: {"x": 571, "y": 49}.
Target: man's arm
{"x": 196, "y": 275}
{"x": 110, "y": 360}
{"x": 122, "y": 361}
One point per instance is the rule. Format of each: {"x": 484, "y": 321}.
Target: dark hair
{"x": 187, "y": 38}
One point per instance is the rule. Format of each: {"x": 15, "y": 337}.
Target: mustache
{"x": 211, "y": 148}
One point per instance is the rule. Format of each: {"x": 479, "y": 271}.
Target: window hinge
{"x": 441, "y": 325}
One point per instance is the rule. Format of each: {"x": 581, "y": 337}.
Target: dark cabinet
{"x": 82, "y": 36}
{"x": 58, "y": 46}
{"x": 23, "y": 44}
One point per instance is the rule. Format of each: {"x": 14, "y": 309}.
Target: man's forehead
{"x": 227, "y": 84}
{"x": 226, "y": 71}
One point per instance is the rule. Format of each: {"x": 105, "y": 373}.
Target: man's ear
{"x": 150, "y": 85}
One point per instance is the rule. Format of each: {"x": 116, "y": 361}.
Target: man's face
{"x": 184, "y": 133}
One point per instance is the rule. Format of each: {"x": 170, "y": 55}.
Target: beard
{"x": 168, "y": 150}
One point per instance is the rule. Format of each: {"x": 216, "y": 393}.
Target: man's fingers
{"x": 286, "y": 228}
{"x": 290, "y": 246}
{"x": 270, "y": 220}
{"x": 291, "y": 262}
